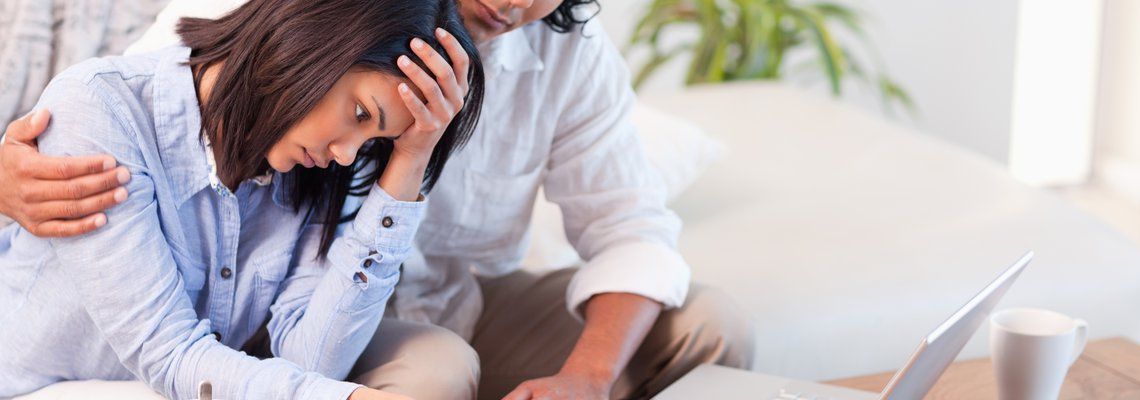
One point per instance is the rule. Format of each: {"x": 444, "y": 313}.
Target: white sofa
{"x": 848, "y": 238}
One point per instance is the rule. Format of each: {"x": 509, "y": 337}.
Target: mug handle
{"x": 1081, "y": 338}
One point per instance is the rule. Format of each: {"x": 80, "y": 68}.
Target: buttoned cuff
{"x": 647, "y": 269}
{"x": 386, "y": 224}
{"x": 378, "y": 240}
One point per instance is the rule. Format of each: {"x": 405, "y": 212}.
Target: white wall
{"x": 956, "y": 59}
{"x": 1117, "y": 153}
{"x": 1054, "y": 94}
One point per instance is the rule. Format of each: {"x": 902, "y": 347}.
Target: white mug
{"x": 1032, "y": 351}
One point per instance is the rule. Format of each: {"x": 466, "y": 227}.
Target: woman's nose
{"x": 523, "y": 4}
{"x": 344, "y": 153}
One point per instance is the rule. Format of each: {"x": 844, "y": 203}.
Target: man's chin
{"x": 479, "y": 32}
{"x": 480, "y": 35}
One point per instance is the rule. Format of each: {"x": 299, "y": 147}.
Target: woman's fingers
{"x": 424, "y": 118}
{"x": 447, "y": 78}
{"x": 442, "y": 97}
{"x": 444, "y": 75}
{"x": 427, "y": 86}
{"x": 460, "y": 63}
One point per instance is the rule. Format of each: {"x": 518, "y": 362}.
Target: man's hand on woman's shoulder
{"x": 55, "y": 196}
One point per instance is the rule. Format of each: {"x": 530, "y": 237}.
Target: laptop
{"x": 911, "y": 382}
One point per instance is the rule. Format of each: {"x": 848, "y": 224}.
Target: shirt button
{"x": 227, "y": 273}
{"x": 367, "y": 263}
{"x": 387, "y": 222}
{"x": 218, "y": 336}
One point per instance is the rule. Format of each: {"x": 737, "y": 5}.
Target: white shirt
{"x": 555, "y": 115}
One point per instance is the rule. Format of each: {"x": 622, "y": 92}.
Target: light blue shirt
{"x": 183, "y": 260}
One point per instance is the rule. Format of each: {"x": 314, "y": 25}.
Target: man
{"x": 625, "y": 324}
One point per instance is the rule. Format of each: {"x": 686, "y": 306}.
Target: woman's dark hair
{"x": 564, "y": 18}
{"x": 278, "y": 58}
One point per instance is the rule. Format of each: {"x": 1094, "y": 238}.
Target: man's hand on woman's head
{"x": 55, "y": 196}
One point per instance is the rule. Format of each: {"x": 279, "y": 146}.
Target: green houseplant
{"x": 749, "y": 39}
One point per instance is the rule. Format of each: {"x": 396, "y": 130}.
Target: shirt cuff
{"x": 378, "y": 240}
{"x": 386, "y": 224}
{"x": 646, "y": 269}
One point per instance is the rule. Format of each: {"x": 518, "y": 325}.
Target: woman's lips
{"x": 308, "y": 162}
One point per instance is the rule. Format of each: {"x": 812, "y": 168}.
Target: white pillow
{"x": 677, "y": 149}
{"x": 161, "y": 34}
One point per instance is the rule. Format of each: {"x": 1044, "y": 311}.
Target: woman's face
{"x": 362, "y": 105}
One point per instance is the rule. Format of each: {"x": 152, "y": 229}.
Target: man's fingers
{"x": 29, "y": 127}
{"x": 444, "y": 75}
{"x": 428, "y": 87}
{"x": 420, "y": 113}
{"x": 57, "y": 168}
{"x": 77, "y": 188}
{"x": 460, "y": 62}
{"x": 75, "y": 209}
{"x": 64, "y": 228}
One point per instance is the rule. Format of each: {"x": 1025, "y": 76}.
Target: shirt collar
{"x": 178, "y": 124}
{"x": 264, "y": 179}
{"x": 186, "y": 154}
{"x": 512, "y": 51}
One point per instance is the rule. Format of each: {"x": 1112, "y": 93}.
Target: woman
{"x": 221, "y": 237}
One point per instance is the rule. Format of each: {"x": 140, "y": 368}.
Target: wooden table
{"x": 1108, "y": 369}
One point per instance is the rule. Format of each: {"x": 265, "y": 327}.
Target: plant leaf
{"x": 849, "y": 17}
{"x": 748, "y": 39}
{"x": 829, "y": 51}
{"x": 892, "y": 92}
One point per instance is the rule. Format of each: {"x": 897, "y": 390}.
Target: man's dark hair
{"x": 568, "y": 15}
{"x": 278, "y": 60}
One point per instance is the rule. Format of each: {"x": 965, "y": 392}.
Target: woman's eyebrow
{"x": 379, "y": 113}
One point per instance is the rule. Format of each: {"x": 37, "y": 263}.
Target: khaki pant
{"x": 525, "y": 332}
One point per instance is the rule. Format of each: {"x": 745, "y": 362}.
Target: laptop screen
{"x": 940, "y": 348}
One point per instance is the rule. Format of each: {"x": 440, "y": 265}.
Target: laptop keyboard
{"x": 786, "y": 395}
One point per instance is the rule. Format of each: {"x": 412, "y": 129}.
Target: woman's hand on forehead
{"x": 443, "y": 96}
